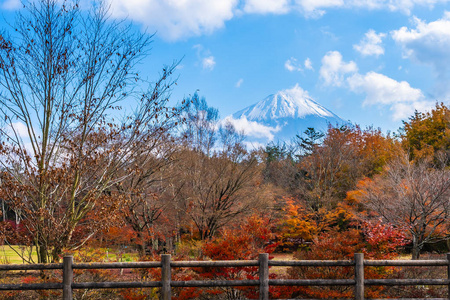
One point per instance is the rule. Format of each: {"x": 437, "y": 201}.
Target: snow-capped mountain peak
{"x": 282, "y": 115}
{"x": 289, "y": 103}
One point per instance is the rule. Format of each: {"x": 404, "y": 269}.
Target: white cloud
{"x": 180, "y": 19}
{"x": 382, "y": 90}
{"x": 368, "y": 4}
{"x": 428, "y": 43}
{"x": 10, "y": 4}
{"x": 252, "y": 128}
{"x": 292, "y": 65}
{"x": 316, "y": 8}
{"x": 371, "y": 44}
{"x": 208, "y": 63}
{"x": 254, "y": 145}
{"x": 176, "y": 19}
{"x": 267, "y": 6}
{"x": 402, "y": 111}
{"x": 406, "y": 6}
{"x": 19, "y": 128}
{"x": 308, "y": 64}
{"x": 239, "y": 82}
{"x": 334, "y": 68}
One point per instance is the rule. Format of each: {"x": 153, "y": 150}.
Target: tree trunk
{"x": 141, "y": 249}
{"x": 155, "y": 243}
{"x": 141, "y": 244}
{"x": 416, "y": 248}
{"x": 42, "y": 252}
{"x": 415, "y": 253}
{"x": 3, "y": 210}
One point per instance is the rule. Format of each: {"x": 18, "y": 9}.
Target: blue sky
{"x": 369, "y": 61}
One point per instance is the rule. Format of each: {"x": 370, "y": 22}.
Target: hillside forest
{"x": 95, "y": 160}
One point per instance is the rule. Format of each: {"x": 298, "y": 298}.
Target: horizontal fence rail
{"x": 263, "y": 263}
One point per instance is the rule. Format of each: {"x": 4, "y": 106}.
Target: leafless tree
{"x": 218, "y": 179}
{"x": 414, "y": 196}
{"x": 213, "y": 191}
{"x": 148, "y": 196}
{"x": 64, "y": 74}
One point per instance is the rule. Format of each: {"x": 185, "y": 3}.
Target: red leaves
{"x": 245, "y": 242}
{"x": 332, "y": 245}
{"x": 239, "y": 243}
{"x": 384, "y": 240}
{"x": 30, "y": 279}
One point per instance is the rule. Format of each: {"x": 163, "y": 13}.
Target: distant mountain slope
{"x": 282, "y": 115}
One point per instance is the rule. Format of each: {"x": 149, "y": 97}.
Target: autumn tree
{"x": 64, "y": 74}
{"x": 346, "y": 155}
{"x": 413, "y": 196}
{"x": 295, "y": 226}
{"x": 426, "y": 134}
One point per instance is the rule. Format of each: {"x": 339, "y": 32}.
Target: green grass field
{"x": 10, "y": 255}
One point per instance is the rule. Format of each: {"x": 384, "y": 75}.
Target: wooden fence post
{"x": 67, "y": 277}
{"x": 166, "y": 273}
{"x": 448, "y": 274}
{"x": 264, "y": 276}
{"x": 359, "y": 276}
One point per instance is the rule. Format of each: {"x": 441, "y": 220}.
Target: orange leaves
{"x": 355, "y": 197}
{"x": 295, "y": 227}
{"x": 299, "y": 226}
{"x": 412, "y": 196}
{"x": 133, "y": 294}
{"x": 341, "y": 217}
{"x": 346, "y": 155}
{"x": 122, "y": 235}
{"x": 332, "y": 245}
{"x": 30, "y": 279}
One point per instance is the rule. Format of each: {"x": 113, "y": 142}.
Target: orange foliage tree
{"x": 345, "y": 156}
{"x": 295, "y": 227}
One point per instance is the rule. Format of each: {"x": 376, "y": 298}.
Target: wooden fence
{"x": 263, "y": 263}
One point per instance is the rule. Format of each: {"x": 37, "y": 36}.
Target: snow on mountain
{"x": 279, "y": 117}
{"x": 291, "y": 103}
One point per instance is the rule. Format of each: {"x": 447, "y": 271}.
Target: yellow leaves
{"x": 341, "y": 214}
{"x": 427, "y": 133}
{"x": 354, "y": 196}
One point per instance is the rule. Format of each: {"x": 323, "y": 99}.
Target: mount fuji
{"x": 280, "y": 116}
